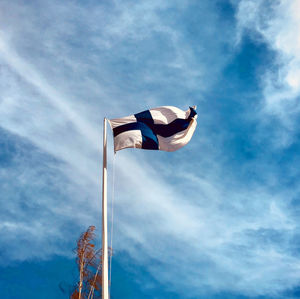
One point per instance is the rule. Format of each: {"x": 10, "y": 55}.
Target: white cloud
{"x": 223, "y": 240}
{"x": 278, "y": 24}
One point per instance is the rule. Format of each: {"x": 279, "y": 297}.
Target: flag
{"x": 164, "y": 128}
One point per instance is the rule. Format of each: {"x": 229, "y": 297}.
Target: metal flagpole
{"x": 105, "y": 294}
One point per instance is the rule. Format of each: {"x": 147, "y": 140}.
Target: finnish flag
{"x": 164, "y": 128}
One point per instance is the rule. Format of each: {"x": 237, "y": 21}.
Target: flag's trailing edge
{"x": 164, "y": 128}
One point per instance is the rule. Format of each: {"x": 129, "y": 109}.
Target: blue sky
{"x": 216, "y": 219}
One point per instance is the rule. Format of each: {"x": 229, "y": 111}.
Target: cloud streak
{"x": 277, "y": 25}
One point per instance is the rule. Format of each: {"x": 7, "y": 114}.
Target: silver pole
{"x": 105, "y": 293}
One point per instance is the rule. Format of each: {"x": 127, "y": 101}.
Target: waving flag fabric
{"x": 164, "y": 128}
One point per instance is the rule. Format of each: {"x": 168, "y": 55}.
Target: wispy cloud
{"x": 277, "y": 24}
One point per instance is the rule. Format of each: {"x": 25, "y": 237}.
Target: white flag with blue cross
{"x": 164, "y": 128}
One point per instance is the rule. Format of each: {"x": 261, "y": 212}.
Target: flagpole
{"x": 105, "y": 294}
